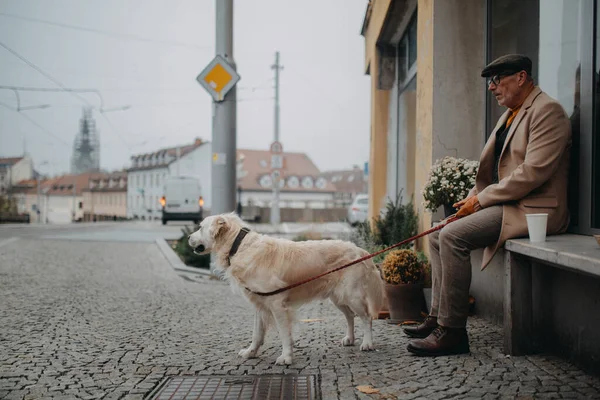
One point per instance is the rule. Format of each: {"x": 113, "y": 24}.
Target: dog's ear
{"x": 220, "y": 226}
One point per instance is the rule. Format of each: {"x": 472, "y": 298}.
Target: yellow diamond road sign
{"x": 218, "y": 78}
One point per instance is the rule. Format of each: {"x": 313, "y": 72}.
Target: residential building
{"x": 301, "y": 186}
{"x": 146, "y": 177}
{"x": 59, "y": 200}
{"x": 86, "y": 146}
{"x": 106, "y": 198}
{"x": 348, "y": 183}
{"x": 13, "y": 170}
{"x": 428, "y": 101}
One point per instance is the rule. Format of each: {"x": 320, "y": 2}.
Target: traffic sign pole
{"x": 276, "y": 148}
{"x": 221, "y": 76}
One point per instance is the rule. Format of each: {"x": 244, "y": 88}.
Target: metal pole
{"x": 38, "y": 207}
{"x": 178, "y": 152}
{"x": 224, "y": 121}
{"x": 275, "y": 216}
{"x": 74, "y": 195}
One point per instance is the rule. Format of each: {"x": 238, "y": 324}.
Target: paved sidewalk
{"x": 110, "y": 320}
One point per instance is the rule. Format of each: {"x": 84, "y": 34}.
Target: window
{"x": 406, "y": 53}
{"x": 513, "y": 28}
{"x": 595, "y": 189}
{"x": 412, "y": 41}
{"x": 555, "y": 35}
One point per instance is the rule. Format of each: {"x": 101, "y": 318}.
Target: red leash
{"x": 442, "y": 224}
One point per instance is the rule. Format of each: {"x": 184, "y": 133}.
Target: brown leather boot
{"x": 442, "y": 341}
{"x": 423, "y": 329}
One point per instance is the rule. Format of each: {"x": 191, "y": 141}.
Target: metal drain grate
{"x": 247, "y": 387}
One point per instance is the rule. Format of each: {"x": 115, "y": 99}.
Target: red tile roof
{"x": 59, "y": 186}
{"x": 347, "y": 181}
{"x": 10, "y": 160}
{"x": 257, "y": 163}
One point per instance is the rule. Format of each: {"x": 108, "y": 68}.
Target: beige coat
{"x": 533, "y": 169}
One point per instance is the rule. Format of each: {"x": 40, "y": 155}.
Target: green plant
{"x": 363, "y": 237}
{"x": 449, "y": 181}
{"x": 401, "y": 266}
{"x": 186, "y": 253}
{"x": 397, "y": 223}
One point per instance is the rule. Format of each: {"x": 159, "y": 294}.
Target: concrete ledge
{"x": 176, "y": 262}
{"x": 577, "y": 253}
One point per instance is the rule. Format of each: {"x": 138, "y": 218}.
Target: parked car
{"x": 359, "y": 209}
{"x": 182, "y": 200}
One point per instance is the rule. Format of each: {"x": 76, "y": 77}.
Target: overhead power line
{"x": 28, "y": 118}
{"x": 62, "y": 86}
{"x": 38, "y": 69}
{"x": 45, "y": 89}
{"x": 127, "y": 36}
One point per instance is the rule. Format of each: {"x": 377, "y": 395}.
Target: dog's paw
{"x": 348, "y": 341}
{"x": 284, "y": 360}
{"x": 367, "y": 346}
{"x": 247, "y": 353}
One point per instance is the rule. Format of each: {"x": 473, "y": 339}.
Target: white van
{"x": 182, "y": 199}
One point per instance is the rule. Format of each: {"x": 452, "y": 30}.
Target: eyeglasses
{"x": 495, "y": 79}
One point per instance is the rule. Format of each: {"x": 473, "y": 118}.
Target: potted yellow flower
{"x": 402, "y": 272}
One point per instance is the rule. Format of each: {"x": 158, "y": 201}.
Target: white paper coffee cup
{"x": 536, "y": 224}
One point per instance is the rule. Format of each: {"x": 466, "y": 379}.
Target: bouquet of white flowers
{"x": 449, "y": 181}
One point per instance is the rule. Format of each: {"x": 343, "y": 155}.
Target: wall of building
{"x": 22, "y": 170}
{"x": 379, "y": 110}
{"x": 105, "y": 203}
{"x": 197, "y": 164}
{"x": 450, "y": 91}
{"x": 459, "y": 100}
{"x": 487, "y": 286}
{"x": 151, "y": 181}
{"x": 288, "y": 199}
{"x": 54, "y": 209}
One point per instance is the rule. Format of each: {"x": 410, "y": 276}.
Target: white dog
{"x": 256, "y": 263}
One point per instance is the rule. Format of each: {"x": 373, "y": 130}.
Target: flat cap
{"x": 508, "y": 64}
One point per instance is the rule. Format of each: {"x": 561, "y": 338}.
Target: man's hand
{"x": 461, "y": 203}
{"x": 470, "y": 206}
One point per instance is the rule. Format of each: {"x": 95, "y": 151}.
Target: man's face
{"x": 506, "y": 88}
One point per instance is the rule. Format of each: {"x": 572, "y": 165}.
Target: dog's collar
{"x": 236, "y": 244}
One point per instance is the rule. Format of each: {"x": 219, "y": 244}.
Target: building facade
{"x": 13, "y": 170}
{"x": 428, "y": 101}
{"x": 106, "y": 198}
{"x": 301, "y": 186}
{"x": 59, "y": 200}
{"x": 348, "y": 183}
{"x": 148, "y": 172}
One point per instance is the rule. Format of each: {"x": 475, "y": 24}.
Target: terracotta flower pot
{"x": 405, "y": 301}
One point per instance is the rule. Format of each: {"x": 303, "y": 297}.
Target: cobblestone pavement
{"x": 111, "y": 320}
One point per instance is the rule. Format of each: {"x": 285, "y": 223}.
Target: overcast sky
{"x": 147, "y": 53}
